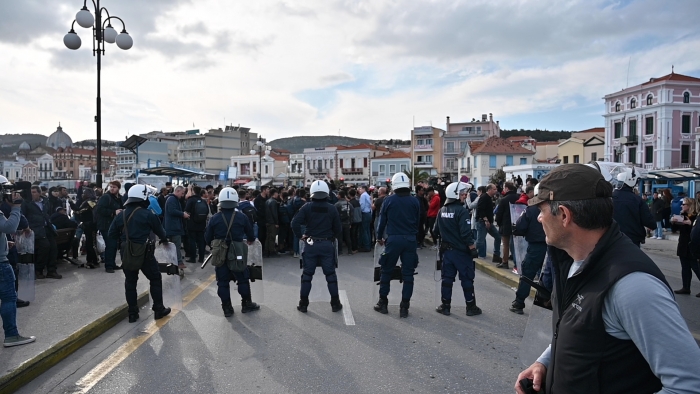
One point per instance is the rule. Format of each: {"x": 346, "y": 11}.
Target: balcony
{"x": 351, "y": 171}
{"x": 649, "y": 166}
{"x": 465, "y": 170}
{"x": 422, "y": 148}
{"x": 632, "y": 139}
{"x": 423, "y": 164}
{"x": 450, "y": 169}
{"x": 190, "y": 159}
{"x": 317, "y": 171}
{"x": 451, "y": 151}
{"x": 190, "y": 147}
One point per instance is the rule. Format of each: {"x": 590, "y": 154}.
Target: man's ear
{"x": 565, "y": 216}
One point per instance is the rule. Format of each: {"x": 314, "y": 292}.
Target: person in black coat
{"x": 61, "y": 220}
{"x": 632, "y": 214}
{"x": 657, "y": 209}
{"x": 505, "y": 227}
{"x": 36, "y": 210}
{"x": 198, "y": 208}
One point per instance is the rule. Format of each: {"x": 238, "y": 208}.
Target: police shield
{"x": 25, "y": 279}
{"x": 457, "y": 293}
{"x": 516, "y": 211}
{"x": 319, "y": 286}
{"x": 255, "y": 268}
{"x": 172, "y": 290}
{"x": 395, "y": 295}
{"x": 537, "y": 335}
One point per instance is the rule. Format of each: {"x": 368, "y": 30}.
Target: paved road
{"x": 278, "y": 349}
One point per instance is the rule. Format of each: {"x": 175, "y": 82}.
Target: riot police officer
{"x": 400, "y": 217}
{"x": 140, "y": 223}
{"x": 221, "y": 227}
{"x": 322, "y": 223}
{"x": 457, "y": 247}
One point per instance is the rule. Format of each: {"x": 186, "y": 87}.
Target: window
{"x": 649, "y": 125}
{"x": 404, "y": 168}
{"x": 618, "y": 130}
{"x": 509, "y": 160}
{"x": 382, "y": 169}
{"x": 633, "y": 128}
{"x": 341, "y": 163}
{"x": 594, "y": 156}
{"x": 686, "y": 97}
{"x": 266, "y": 169}
{"x": 617, "y": 106}
{"x": 419, "y": 142}
{"x": 392, "y": 169}
{"x": 475, "y": 161}
{"x": 685, "y": 124}
{"x": 650, "y": 99}
{"x": 462, "y": 146}
{"x": 320, "y": 164}
{"x": 331, "y": 163}
{"x": 428, "y": 158}
{"x": 649, "y": 154}
{"x": 420, "y": 159}
{"x": 364, "y": 161}
{"x": 449, "y": 147}
{"x": 523, "y": 160}
{"x": 566, "y": 159}
{"x": 308, "y": 164}
{"x": 576, "y": 159}
{"x": 429, "y": 141}
{"x": 685, "y": 154}
{"x": 492, "y": 161}
{"x": 450, "y": 164}
{"x": 352, "y": 163}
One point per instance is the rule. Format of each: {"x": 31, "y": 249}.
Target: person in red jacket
{"x": 433, "y": 209}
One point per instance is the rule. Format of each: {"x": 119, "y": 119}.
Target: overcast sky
{"x": 364, "y": 68}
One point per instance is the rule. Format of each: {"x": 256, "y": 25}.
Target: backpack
{"x": 250, "y": 211}
{"x": 357, "y": 215}
{"x": 201, "y": 212}
{"x": 344, "y": 212}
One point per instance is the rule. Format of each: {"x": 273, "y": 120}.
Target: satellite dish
{"x": 623, "y": 140}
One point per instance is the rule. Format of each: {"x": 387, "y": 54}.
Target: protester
{"x": 366, "y": 208}
{"x": 657, "y": 209}
{"x": 505, "y": 226}
{"x": 108, "y": 207}
{"x": 345, "y": 211}
{"x": 198, "y": 209}
{"x": 174, "y": 217}
{"x": 272, "y": 224}
{"x": 689, "y": 263}
{"x": 38, "y": 215}
{"x": 485, "y": 224}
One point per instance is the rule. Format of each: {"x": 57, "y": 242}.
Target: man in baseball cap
{"x": 618, "y": 328}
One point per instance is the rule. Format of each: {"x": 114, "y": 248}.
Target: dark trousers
{"x": 689, "y": 265}
{"x": 45, "y": 254}
{"x": 404, "y": 247}
{"x": 453, "y": 262}
{"x": 262, "y": 234}
{"x": 421, "y": 230}
{"x": 270, "y": 235}
{"x": 282, "y": 235}
{"x": 532, "y": 263}
{"x": 320, "y": 253}
{"x": 224, "y": 276}
{"x": 431, "y": 224}
{"x": 197, "y": 244}
{"x": 346, "y": 237}
{"x": 355, "y": 232}
{"x": 110, "y": 249}
{"x": 152, "y": 273}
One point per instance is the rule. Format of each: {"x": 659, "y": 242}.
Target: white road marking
{"x": 347, "y": 312}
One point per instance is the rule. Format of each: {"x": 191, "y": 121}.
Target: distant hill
{"x": 539, "y": 135}
{"x": 297, "y": 144}
{"x": 10, "y": 142}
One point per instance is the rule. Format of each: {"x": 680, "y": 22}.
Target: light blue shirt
{"x": 365, "y": 203}
{"x": 641, "y": 308}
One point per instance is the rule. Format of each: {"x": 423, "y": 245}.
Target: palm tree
{"x": 417, "y": 175}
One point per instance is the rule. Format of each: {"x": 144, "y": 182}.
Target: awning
{"x": 240, "y": 181}
{"x": 676, "y": 174}
{"x": 132, "y": 143}
{"x": 174, "y": 172}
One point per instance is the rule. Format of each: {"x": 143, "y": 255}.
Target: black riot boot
{"x": 159, "y": 314}
{"x": 381, "y": 305}
{"x": 335, "y": 304}
{"x": 403, "y": 307}
{"x": 247, "y": 305}
{"x": 472, "y": 309}
{"x": 227, "y": 307}
{"x": 133, "y": 314}
{"x": 444, "y": 308}
{"x": 303, "y": 304}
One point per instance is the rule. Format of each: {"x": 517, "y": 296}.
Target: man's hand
{"x": 117, "y": 212}
{"x": 27, "y": 231}
{"x": 250, "y": 243}
{"x": 10, "y": 244}
{"x": 488, "y": 224}
{"x": 536, "y": 372}
{"x": 185, "y": 215}
{"x": 381, "y": 241}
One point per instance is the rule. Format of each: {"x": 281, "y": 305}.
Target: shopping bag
{"x": 25, "y": 279}
{"x": 24, "y": 242}
{"x": 100, "y": 243}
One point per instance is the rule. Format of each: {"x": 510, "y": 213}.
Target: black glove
{"x": 474, "y": 253}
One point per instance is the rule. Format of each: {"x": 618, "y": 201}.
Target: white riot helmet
{"x": 454, "y": 189}
{"x": 228, "y": 198}
{"x": 319, "y": 190}
{"x": 627, "y": 177}
{"x": 400, "y": 181}
{"x": 3, "y": 180}
{"x": 137, "y": 193}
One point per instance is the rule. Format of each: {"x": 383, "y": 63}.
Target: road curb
{"x": 40, "y": 363}
{"x": 502, "y": 275}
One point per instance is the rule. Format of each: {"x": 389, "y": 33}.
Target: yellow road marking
{"x": 101, "y": 370}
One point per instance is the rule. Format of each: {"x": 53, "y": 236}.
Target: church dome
{"x": 24, "y": 146}
{"x": 59, "y": 139}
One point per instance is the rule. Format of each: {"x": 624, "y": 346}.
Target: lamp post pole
{"x": 101, "y": 34}
{"x": 259, "y": 149}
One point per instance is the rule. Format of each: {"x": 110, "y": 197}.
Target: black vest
{"x": 585, "y": 358}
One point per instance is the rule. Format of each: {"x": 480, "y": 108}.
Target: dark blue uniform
{"x": 140, "y": 227}
{"x": 240, "y": 228}
{"x": 322, "y": 223}
{"x": 455, "y": 229}
{"x": 400, "y": 217}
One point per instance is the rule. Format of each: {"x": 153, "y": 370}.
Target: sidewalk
{"x": 67, "y": 314}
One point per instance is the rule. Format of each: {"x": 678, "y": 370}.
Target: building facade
{"x": 384, "y": 167}
{"x": 30, "y": 172}
{"x": 655, "y": 124}
{"x": 426, "y": 149}
{"x": 583, "y": 146}
{"x": 45, "y": 165}
{"x": 353, "y": 162}
{"x": 296, "y": 169}
{"x": 321, "y": 164}
{"x": 482, "y": 159}
{"x": 458, "y": 135}
{"x": 68, "y": 162}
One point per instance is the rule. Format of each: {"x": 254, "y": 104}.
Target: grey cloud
{"x": 195, "y": 28}
{"x": 23, "y": 21}
{"x": 335, "y": 79}
{"x": 546, "y": 31}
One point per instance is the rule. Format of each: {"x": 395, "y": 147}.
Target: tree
{"x": 417, "y": 175}
{"x": 497, "y": 176}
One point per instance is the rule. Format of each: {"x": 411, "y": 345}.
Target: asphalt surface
{"x": 278, "y": 349}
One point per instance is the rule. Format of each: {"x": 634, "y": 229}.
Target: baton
{"x": 545, "y": 292}
{"x": 204, "y": 264}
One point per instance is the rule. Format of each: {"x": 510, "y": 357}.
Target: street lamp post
{"x": 260, "y": 148}
{"x": 100, "y": 36}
